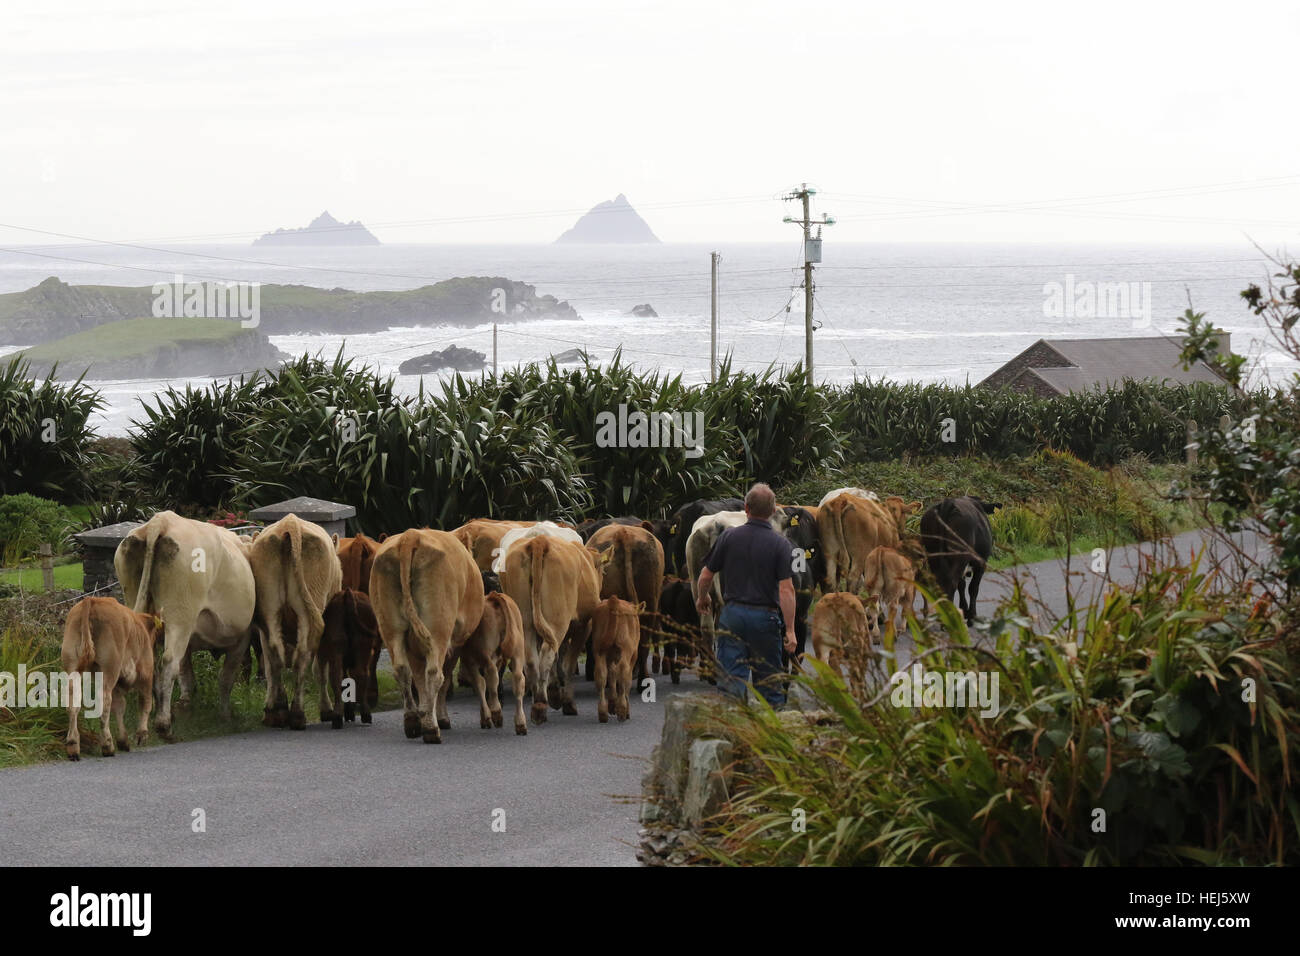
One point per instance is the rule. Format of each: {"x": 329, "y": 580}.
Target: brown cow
{"x": 357, "y": 557}
{"x": 632, "y": 568}
{"x": 615, "y": 640}
{"x": 482, "y": 536}
{"x": 428, "y": 598}
{"x": 350, "y": 649}
{"x": 851, "y": 528}
{"x": 842, "y": 633}
{"x": 103, "y": 635}
{"x": 890, "y": 577}
{"x": 556, "y": 585}
{"x": 498, "y": 640}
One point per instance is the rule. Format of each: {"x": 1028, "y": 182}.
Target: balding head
{"x": 760, "y": 502}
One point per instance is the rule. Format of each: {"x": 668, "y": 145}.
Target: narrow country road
{"x": 366, "y": 795}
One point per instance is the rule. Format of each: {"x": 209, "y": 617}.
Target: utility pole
{"x": 812, "y": 252}
{"x": 714, "y": 259}
{"x": 494, "y": 350}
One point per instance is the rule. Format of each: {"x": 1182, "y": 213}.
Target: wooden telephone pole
{"x": 714, "y": 259}
{"x": 812, "y": 252}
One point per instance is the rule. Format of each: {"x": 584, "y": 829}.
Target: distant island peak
{"x": 612, "y": 221}
{"x": 324, "y": 230}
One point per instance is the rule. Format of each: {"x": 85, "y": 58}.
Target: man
{"x": 759, "y": 596}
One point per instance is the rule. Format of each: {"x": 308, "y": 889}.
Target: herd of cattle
{"x": 529, "y": 596}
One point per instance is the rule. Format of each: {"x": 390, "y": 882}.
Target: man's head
{"x": 760, "y": 502}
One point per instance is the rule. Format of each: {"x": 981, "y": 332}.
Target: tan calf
{"x": 102, "y": 635}
{"x": 842, "y": 632}
{"x": 615, "y": 637}
{"x": 890, "y": 577}
{"x": 498, "y": 640}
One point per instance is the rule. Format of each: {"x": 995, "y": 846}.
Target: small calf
{"x": 615, "y": 639}
{"x": 103, "y": 635}
{"x": 498, "y": 640}
{"x": 891, "y": 580}
{"x": 842, "y": 632}
{"x": 349, "y": 649}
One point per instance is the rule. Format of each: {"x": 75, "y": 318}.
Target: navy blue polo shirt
{"x": 753, "y": 559}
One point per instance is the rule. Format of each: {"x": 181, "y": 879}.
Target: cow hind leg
{"x": 518, "y": 680}
{"x": 72, "y": 742}
{"x": 175, "y": 644}
{"x": 494, "y": 693}
{"x": 431, "y": 731}
{"x": 602, "y": 677}
{"x": 540, "y": 679}
{"x": 146, "y": 705}
{"x": 573, "y": 643}
{"x": 276, "y": 712}
{"x": 230, "y": 667}
{"x": 480, "y": 682}
{"x": 621, "y": 689}
{"x": 119, "y": 719}
{"x": 402, "y": 670}
{"x": 302, "y": 661}
{"x": 977, "y": 573}
{"x": 107, "y": 746}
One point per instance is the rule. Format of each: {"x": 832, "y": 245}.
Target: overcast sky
{"x": 142, "y": 120}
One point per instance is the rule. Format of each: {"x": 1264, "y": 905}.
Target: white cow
{"x": 195, "y": 576}
{"x": 871, "y": 495}
{"x": 704, "y": 534}
{"x": 548, "y": 528}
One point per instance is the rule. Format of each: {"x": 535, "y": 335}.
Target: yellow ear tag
{"x": 807, "y": 554}
{"x": 673, "y": 529}
{"x": 794, "y": 521}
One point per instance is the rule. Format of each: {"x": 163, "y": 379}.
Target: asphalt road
{"x": 367, "y": 795}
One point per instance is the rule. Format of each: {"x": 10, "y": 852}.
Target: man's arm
{"x": 787, "y": 612}
{"x": 704, "y": 589}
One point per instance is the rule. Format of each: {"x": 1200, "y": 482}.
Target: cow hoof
{"x": 336, "y": 722}
{"x": 365, "y": 718}
{"x": 74, "y": 755}
{"x": 497, "y": 719}
{"x": 444, "y": 723}
{"x": 539, "y": 713}
{"x": 164, "y": 731}
{"x": 349, "y": 712}
{"x": 432, "y": 736}
{"x": 485, "y": 723}
{"x": 677, "y": 678}
{"x": 327, "y": 717}
{"x": 553, "y": 697}
{"x": 603, "y": 718}
{"x": 107, "y": 752}
{"x": 569, "y": 709}
{"x": 412, "y": 726}
{"x": 141, "y": 737}
{"x": 521, "y": 730}
{"x": 124, "y": 745}
{"x": 623, "y": 717}
{"x": 297, "y": 720}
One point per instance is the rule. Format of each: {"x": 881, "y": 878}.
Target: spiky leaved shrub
{"x": 1171, "y": 707}
{"x": 44, "y": 433}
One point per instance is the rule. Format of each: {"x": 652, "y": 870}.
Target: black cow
{"x": 589, "y": 527}
{"x": 678, "y": 530}
{"x": 681, "y": 624}
{"x": 799, "y": 527}
{"x": 956, "y": 534}
{"x": 490, "y": 582}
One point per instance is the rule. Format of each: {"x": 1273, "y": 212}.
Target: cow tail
{"x": 629, "y": 581}
{"x": 146, "y": 572}
{"x": 86, "y": 649}
{"x": 835, "y": 521}
{"x": 291, "y": 551}
{"x": 408, "y": 605}
{"x": 544, "y": 628}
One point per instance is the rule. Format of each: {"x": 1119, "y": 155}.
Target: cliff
{"x": 156, "y": 348}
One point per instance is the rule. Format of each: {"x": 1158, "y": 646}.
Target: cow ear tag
{"x": 794, "y": 521}
{"x": 673, "y": 529}
{"x": 807, "y": 554}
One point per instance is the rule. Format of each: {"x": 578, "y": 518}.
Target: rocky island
{"x": 324, "y": 230}
{"x": 54, "y": 309}
{"x": 453, "y": 357}
{"x": 155, "y": 348}
{"x": 612, "y": 221}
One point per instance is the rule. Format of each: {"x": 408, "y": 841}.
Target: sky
{"x": 502, "y": 121}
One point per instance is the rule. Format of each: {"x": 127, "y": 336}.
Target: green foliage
{"x": 44, "y": 433}
{"x": 1136, "y": 707}
{"x": 26, "y": 522}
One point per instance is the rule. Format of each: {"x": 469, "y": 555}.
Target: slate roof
{"x": 1080, "y": 364}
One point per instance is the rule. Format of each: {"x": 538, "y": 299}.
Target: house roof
{"x": 1087, "y": 363}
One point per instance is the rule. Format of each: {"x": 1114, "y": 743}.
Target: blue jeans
{"x": 749, "y": 641}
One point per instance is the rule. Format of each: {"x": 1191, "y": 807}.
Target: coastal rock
{"x": 645, "y": 311}
{"x": 612, "y": 221}
{"x": 453, "y": 357}
{"x": 572, "y": 355}
{"x": 324, "y": 230}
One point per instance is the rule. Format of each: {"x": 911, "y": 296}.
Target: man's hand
{"x": 790, "y": 643}
{"x": 704, "y": 588}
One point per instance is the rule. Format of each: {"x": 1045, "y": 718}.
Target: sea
{"x": 923, "y": 312}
